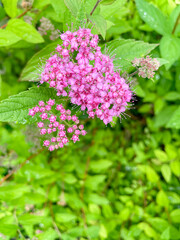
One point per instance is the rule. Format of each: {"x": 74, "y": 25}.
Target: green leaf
{"x": 31, "y": 70}
{"x": 70, "y": 178}
{"x": 126, "y": 50}
{"x": 166, "y": 172}
{"x": 172, "y": 96}
{"x": 161, "y": 155}
{"x": 30, "y": 219}
{"x": 158, "y": 223}
{"x": 80, "y": 16}
{"x": 100, "y": 165}
{"x": 8, "y": 229}
{"x": 93, "y": 182}
{"x": 7, "y": 38}
{"x": 175, "y": 216}
{"x": 59, "y": 7}
{"x": 171, "y": 233}
{"x": 73, "y": 6}
{"x": 153, "y": 17}
{"x": 170, "y": 49}
{"x": 162, "y": 199}
{"x": 175, "y": 167}
{"x": 174, "y": 121}
{"x": 162, "y": 61}
{"x": 65, "y": 217}
{"x": 107, "y": 2}
{"x": 10, "y": 7}
{"x": 148, "y": 230}
{"x": 108, "y": 11}
{"x": 24, "y": 30}
{"x": 48, "y": 235}
{"x": 100, "y": 24}
{"x": 16, "y": 107}
{"x": 95, "y": 198}
{"x": 163, "y": 117}
{"x": 151, "y": 174}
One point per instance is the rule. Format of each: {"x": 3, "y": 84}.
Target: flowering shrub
{"x": 120, "y": 181}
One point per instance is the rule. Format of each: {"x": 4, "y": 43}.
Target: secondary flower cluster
{"x": 58, "y": 129}
{"x": 147, "y": 66}
{"x": 80, "y": 71}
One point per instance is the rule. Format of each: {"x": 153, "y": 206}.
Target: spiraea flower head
{"x": 80, "y": 72}
{"x": 57, "y": 125}
{"x": 87, "y": 77}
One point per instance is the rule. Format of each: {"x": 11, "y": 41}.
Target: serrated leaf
{"x": 99, "y": 23}
{"x": 126, "y": 50}
{"x": 108, "y": 11}
{"x": 10, "y": 7}
{"x": 153, "y": 17}
{"x": 8, "y": 38}
{"x": 8, "y": 229}
{"x": 170, "y": 49}
{"x": 73, "y": 6}
{"x": 31, "y": 70}
{"x": 173, "y": 18}
{"x": 24, "y": 30}
{"x": 100, "y": 165}
{"x": 16, "y": 107}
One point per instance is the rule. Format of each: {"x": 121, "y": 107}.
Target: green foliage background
{"x": 119, "y": 182}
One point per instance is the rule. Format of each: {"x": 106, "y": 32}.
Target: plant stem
{"x": 21, "y": 15}
{"x": 97, "y": 3}
{"x": 176, "y": 24}
{"x": 134, "y": 73}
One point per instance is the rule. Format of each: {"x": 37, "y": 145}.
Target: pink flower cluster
{"x": 147, "y": 66}
{"x": 81, "y": 72}
{"x": 58, "y": 128}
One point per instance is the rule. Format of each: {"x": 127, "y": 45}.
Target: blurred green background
{"x": 119, "y": 182}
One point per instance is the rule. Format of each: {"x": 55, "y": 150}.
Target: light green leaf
{"x": 59, "y": 7}
{"x": 16, "y": 107}
{"x": 103, "y": 233}
{"x": 24, "y": 30}
{"x": 153, "y": 17}
{"x": 172, "y": 96}
{"x": 126, "y": 50}
{"x": 8, "y": 229}
{"x": 162, "y": 199}
{"x": 10, "y": 7}
{"x": 31, "y": 70}
{"x": 162, "y": 61}
{"x": 158, "y": 223}
{"x": 70, "y": 178}
{"x": 100, "y": 24}
{"x": 174, "y": 121}
{"x": 166, "y": 172}
{"x": 48, "y": 235}
{"x": 95, "y": 198}
{"x": 107, "y": 11}
{"x": 163, "y": 117}
{"x": 175, "y": 216}
{"x": 8, "y": 38}
{"x": 65, "y": 217}
{"x": 175, "y": 167}
{"x": 171, "y": 233}
{"x": 73, "y": 6}
{"x": 151, "y": 174}
{"x": 100, "y": 165}
{"x": 161, "y": 155}
{"x": 170, "y": 49}
{"x": 30, "y": 219}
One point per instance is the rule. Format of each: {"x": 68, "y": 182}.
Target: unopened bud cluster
{"x": 147, "y": 66}
{"x": 46, "y": 26}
